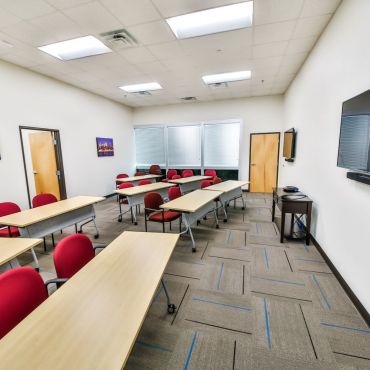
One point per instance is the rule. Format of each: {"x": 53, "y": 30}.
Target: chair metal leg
{"x": 180, "y": 223}
{"x": 163, "y": 226}
{"x": 171, "y": 308}
{"x": 132, "y": 216}
{"x": 44, "y": 244}
{"x": 146, "y": 223}
{"x": 52, "y": 239}
{"x": 76, "y": 228}
{"x": 170, "y": 226}
{"x": 120, "y": 212}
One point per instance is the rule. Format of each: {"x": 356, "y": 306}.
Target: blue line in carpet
{"x": 190, "y": 351}
{"x": 366, "y": 331}
{"x": 223, "y": 304}
{"x": 308, "y": 260}
{"x": 220, "y": 276}
{"x": 266, "y": 259}
{"x": 280, "y": 281}
{"x": 153, "y": 346}
{"x": 267, "y": 322}
{"x": 314, "y": 278}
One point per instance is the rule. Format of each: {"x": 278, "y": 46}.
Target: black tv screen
{"x": 354, "y": 142}
{"x": 289, "y": 145}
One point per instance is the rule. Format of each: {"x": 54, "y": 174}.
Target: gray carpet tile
{"x": 245, "y": 300}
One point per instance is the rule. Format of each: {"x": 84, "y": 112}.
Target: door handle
{"x": 253, "y": 164}
{"x": 35, "y": 172}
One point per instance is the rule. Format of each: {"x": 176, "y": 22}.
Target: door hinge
{"x": 54, "y": 142}
{"x": 58, "y": 173}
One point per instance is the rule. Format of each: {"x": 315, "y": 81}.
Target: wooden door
{"x": 44, "y": 163}
{"x": 264, "y": 162}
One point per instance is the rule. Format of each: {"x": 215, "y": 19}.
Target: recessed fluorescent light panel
{"x": 76, "y": 48}
{"x": 227, "y": 77}
{"x": 205, "y": 22}
{"x": 141, "y": 87}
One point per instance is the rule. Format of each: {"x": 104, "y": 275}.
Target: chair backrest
{"x": 187, "y": 173}
{"x": 174, "y": 192}
{"x": 152, "y": 200}
{"x": 217, "y": 180}
{"x": 126, "y": 185}
{"x": 154, "y": 169}
{"x": 175, "y": 177}
{"x": 205, "y": 184}
{"x": 139, "y": 173}
{"x": 212, "y": 173}
{"x": 71, "y": 254}
{"x": 121, "y": 176}
{"x": 43, "y": 199}
{"x": 21, "y": 291}
{"x": 8, "y": 208}
{"x": 171, "y": 173}
{"x": 144, "y": 182}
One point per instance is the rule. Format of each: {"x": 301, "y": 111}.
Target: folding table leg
{"x": 35, "y": 259}
{"x": 217, "y": 225}
{"x": 171, "y": 308}
{"x": 188, "y": 230}
{"x": 243, "y": 208}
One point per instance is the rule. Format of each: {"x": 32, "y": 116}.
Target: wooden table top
{"x": 191, "y": 202}
{"x": 92, "y": 321}
{"x": 34, "y": 215}
{"x": 138, "y": 178}
{"x": 13, "y": 247}
{"x": 144, "y": 188}
{"x": 228, "y": 185}
{"x": 186, "y": 180}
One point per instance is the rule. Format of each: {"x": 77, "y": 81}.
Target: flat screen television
{"x": 354, "y": 141}
{"x": 289, "y": 145}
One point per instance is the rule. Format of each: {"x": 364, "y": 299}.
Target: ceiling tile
{"x": 151, "y": 67}
{"x": 63, "y": 4}
{"x": 281, "y": 31}
{"x": 152, "y": 33}
{"x": 319, "y": 7}
{"x": 312, "y": 26}
{"x": 301, "y": 45}
{"x": 167, "y": 50}
{"x": 132, "y": 12}
{"x": 269, "y": 50}
{"x": 26, "y": 9}
{"x": 271, "y": 11}
{"x": 27, "y": 33}
{"x": 137, "y": 55}
{"x": 7, "y": 19}
{"x": 170, "y": 8}
{"x": 93, "y": 17}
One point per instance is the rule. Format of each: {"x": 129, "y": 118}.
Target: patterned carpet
{"x": 245, "y": 301}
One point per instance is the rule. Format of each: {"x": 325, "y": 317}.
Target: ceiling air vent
{"x": 189, "y": 98}
{"x": 218, "y": 85}
{"x": 119, "y": 39}
{"x": 142, "y": 93}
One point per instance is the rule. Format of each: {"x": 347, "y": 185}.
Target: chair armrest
{"x": 56, "y": 281}
{"x": 99, "y": 247}
{"x": 155, "y": 211}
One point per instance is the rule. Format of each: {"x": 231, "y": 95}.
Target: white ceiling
{"x": 283, "y": 33}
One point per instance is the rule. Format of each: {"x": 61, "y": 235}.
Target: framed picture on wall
{"x": 104, "y": 147}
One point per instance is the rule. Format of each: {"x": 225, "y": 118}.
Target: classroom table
{"x": 193, "y": 207}
{"x": 136, "y": 179}
{"x": 231, "y": 190}
{"x": 189, "y": 183}
{"x": 92, "y": 321}
{"x": 11, "y": 248}
{"x": 136, "y": 194}
{"x": 45, "y": 220}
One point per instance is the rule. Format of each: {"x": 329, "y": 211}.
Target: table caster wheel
{"x": 225, "y": 219}
{"x": 79, "y": 231}
{"x": 243, "y": 208}
{"x": 193, "y": 250}
{"x": 135, "y": 223}
{"x": 120, "y": 219}
{"x": 217, "y": 226}
{"x": 37, "y": 269}
{"x": 96, "y": 236}
{"x": 171, "y": 308}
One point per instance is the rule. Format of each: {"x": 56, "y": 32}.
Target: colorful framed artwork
{"x": 104, "y": 147}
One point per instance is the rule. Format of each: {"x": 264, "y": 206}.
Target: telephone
{"x": 291, "y": 189}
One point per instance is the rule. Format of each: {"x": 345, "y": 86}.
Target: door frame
{"x": 250, "y": 152}
{"x": 58, "y": 157}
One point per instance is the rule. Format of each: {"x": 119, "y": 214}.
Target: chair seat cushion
{"x": 165, "y": 180}
{"x": 123, "y": 201}
{"x": 5, "y": 232}
{"x": 167, "y": 216}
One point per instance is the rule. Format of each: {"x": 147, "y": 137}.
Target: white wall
{"x": 30, "y": 99}
{"x": 337, "y": 69}
{"x": 259, "y": 114}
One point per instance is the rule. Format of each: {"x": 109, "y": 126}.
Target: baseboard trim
{"x": 110, "y": 195}
{"x": 352, "y": 296}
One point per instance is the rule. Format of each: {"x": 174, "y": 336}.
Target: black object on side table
{"x": 294, "y": 203}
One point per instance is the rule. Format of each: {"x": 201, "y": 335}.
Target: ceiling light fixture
{"x": 76, "y": 48}
{"x": 205, "y": 22}
{"x": 227, "y": 77}
{"x": 150, "y": 86}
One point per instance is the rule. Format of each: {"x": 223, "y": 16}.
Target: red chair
{"x": 170, "y": 174}
{"x": 205, "y": 184}
{"x": 212, "y": 173}
{"x": 144, "y": 182}
{"x": 123, "y": 200}
{"x": 187, "y": 173}
{"x": 138, "y": 173}
{"x": 154, "y": 213}
{"x": 70, "y": 255}
{"x": 216, "y": 180}
{"x": 176, "y": 177}
{"x": 174, "y": 192}
{"x": 154, "y": 169}
{"x": 120, "y": 176}
{"x": 21, "y": 291}
{"x": 8, "y": 208}
{"x": 42, "y": 200}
